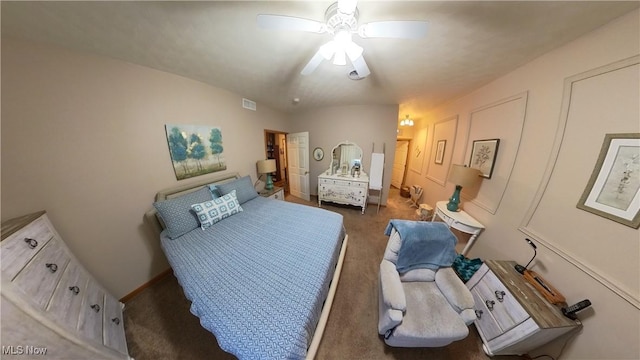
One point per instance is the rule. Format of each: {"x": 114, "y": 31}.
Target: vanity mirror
{"x": 344, "y": 182}
{"x": 346, "y": 156}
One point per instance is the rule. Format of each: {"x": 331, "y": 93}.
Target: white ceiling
{"x": 468, "y": 44}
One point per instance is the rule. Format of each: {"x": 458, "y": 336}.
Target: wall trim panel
{"x": 526, "y": 225}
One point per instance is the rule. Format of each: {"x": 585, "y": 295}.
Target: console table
{"x": 460, "y": 221}
{"x": 512, "y": 317}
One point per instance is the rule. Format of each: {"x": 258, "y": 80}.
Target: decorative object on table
{"x": 483, "y": 156}
{"x": 267, "y": 167}
{"x": 462, "y": 176}
{"x": 195, "y": 150}
{"x": 613, "y": 191}
{"x": 439, "y": 159}
{"x": 318, "y": 154}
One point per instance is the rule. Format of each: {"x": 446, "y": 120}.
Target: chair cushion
{"x": 429, "y": 320}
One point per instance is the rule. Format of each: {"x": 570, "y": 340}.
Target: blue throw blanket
{"x": 425, "y": 245}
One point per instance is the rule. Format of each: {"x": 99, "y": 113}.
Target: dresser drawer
{"x": 113, "y": 325}
{"x": 504, "y": 308}
{"x": 346, "y": 183}
{"x": 67, "y": 298}
{"x": 41, "y": 275}
{"x": 23, "y": 245}
{"x": 485, "y": 322}
{"x": 91, "y": 313}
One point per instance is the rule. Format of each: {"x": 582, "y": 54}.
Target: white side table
{"x": 459, "y": 220}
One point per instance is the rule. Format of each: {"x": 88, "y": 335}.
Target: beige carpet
{"x": 159, "y": 325}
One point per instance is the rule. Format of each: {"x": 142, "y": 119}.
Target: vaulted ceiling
{"x": 468, "y": 44}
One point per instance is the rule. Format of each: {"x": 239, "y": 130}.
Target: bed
{"x": 262, "y": 279}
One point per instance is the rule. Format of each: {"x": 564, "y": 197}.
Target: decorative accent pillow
{"x": 176, "y": 213}
{"x": 243, "y": 186}
{"x": 212, "y": 211}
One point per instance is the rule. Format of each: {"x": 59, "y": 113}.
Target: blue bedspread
{"x": 427, "y": 245}
{"x": 257, "y": 280}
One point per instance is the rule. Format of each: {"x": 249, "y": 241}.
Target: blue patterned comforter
{"x": 257, "y": 280}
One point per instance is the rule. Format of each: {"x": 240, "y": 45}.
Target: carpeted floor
{"x": 159, "y": 325}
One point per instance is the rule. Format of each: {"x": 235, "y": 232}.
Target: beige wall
{"x": 612, "y": 326}
{"x": 83, "y": 138}
{"x": 361, "y": 124}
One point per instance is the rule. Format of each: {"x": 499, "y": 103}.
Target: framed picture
{"x": 483, "y": 156}
{"x": 441, "y": 145}
{"x": 613, "y": 191}
{"x": 195, "y": 150}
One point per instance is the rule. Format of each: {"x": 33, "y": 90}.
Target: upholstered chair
{"x": 422, "y": 307}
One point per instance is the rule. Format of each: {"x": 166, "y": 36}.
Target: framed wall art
{"x": 483, "y": 156}
{"x": 195, "y": 150}
{"x": 440, "y": 147}
{"x": 613, "y": 191}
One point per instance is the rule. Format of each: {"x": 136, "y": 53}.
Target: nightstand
{"x": 512, "y": 317}
{"x": 276, "y": 193}
{"x": 459, "y": 220}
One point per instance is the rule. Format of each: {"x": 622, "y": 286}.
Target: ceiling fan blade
{"x": 281, "y": 22}
{"x": 394, "y": 29}
{"x": 315, "y": 61}
{"x": 361, "y": 67}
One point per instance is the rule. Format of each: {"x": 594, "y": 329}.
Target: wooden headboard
{"x": 152, "y": 217}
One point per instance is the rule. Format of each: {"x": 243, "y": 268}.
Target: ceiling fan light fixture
{"x": 353, "y": 51}
{"x": 340, "y": 58}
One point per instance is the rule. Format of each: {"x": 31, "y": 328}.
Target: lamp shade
{"x": 266, "y": 166}
{"x": 463, "y": 176}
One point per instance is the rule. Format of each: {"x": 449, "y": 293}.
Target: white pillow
{"x": 212, "y": 211}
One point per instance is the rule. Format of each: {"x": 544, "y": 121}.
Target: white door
{"x": 298, "y": 152}
{"x": 399, "y": 163}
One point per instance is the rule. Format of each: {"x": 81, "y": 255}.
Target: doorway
{"x": 400, "y": 163}
{"x": 276, "y": 148}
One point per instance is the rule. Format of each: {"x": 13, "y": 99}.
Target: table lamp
{"x": 462, "y": 176}
{"x": 267, "y": 167}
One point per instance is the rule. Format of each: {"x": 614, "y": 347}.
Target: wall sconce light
{"x": 406, "y": 122}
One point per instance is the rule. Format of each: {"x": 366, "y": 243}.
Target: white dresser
{"x": 50, "y": 304}
{"x": 512, "y": 318}
{"x": 343, "y": 189}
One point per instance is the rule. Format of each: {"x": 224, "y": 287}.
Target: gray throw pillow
{"x": 243, "y": 187}
{"x": 177, "y": 215}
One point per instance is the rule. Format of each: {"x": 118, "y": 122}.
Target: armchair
{"x": 422, "y": 307}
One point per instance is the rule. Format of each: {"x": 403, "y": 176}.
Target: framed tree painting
{"x": 195, "y": 150}
{"x": 483, "y": 156}
{"x": 613, "y": 191}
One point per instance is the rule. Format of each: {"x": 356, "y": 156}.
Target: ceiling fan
{"x": 341, "y": 21}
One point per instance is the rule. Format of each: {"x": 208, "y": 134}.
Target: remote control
{"x": 571, "y": 311}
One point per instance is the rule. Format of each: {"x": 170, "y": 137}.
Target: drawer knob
{"x": 74, "y": 289}
{"x": 490, "y": 304}
{"x": 31, "y": 242}
{"x": 479, "y": 314}
{"x": 500, "y": 295}
{"x": 96, "y": 307}
{"x": 116, "y": 321}
{"x": 52, "y": 267}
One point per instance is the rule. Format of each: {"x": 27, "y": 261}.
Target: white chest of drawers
{"x": 512, "y": 317}
{"x": 50, "y": 304}
{"x": 345, "y": 189}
